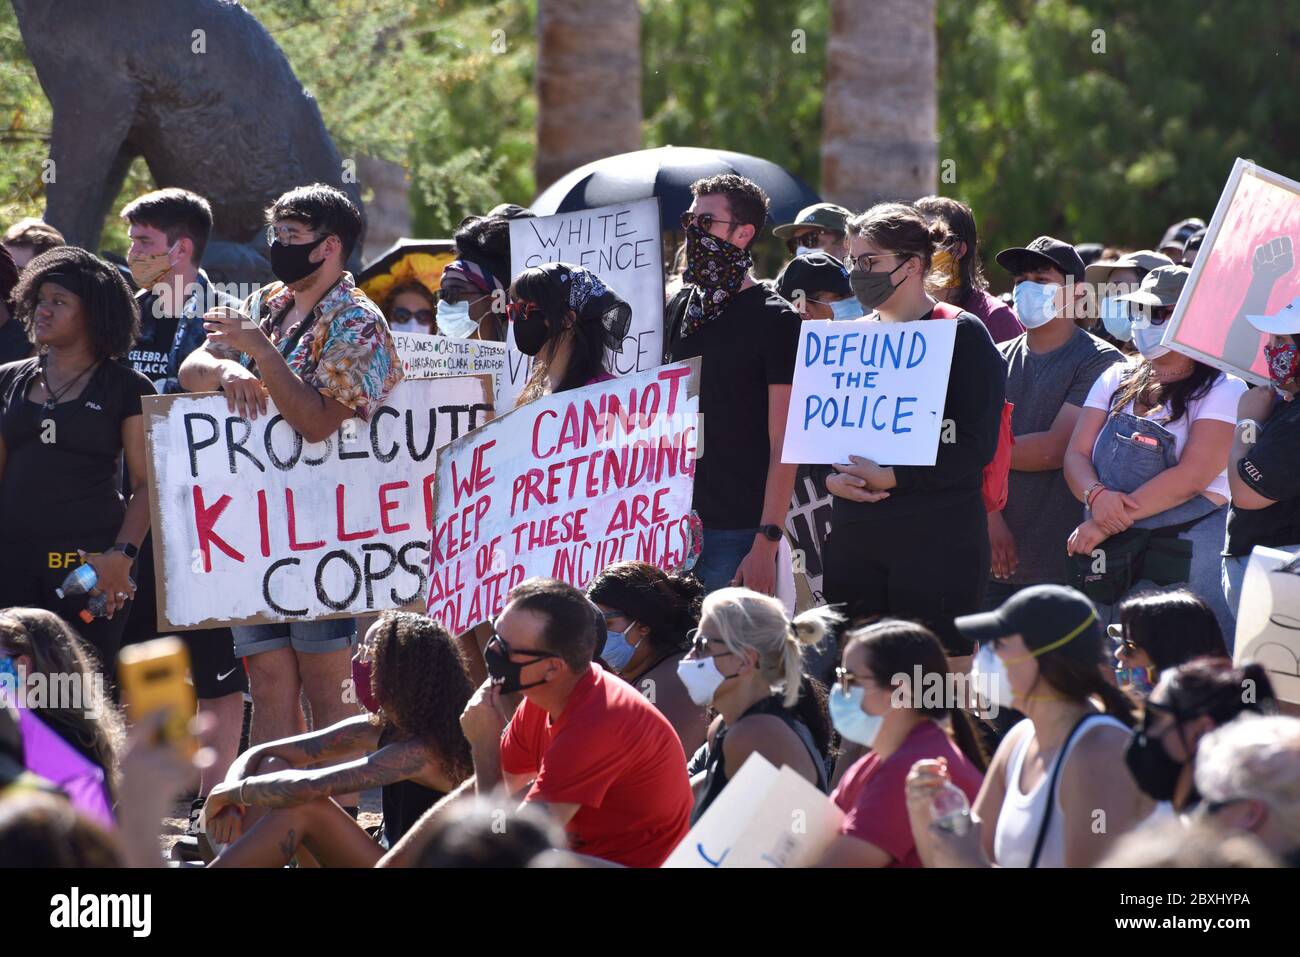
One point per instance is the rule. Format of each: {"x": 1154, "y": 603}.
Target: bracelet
{"x": 240, "y": 797}
{"x": 1091, "y": 492}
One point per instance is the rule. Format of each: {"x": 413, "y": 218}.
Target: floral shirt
{"x": 346, "y": 354}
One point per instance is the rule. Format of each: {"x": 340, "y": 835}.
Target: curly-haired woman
{"x": 273, "y": 803}
{"x": 66, "y": 418}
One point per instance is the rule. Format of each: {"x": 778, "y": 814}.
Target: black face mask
{"x": 505, "y": 672}
{"x": 531, "y": 331}
{"x": 290, "y": 263}
{"x": 1155, "y": 772}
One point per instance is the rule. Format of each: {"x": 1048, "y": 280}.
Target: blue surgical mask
{"x": 454, "y": 320}
{"x": 618, "y": 651}
{"x": 1117, "y": 317}
{"x": 850, "y": 720}
{"x": 1147, "y": 339}
{"x": 1035, "y": 302}
{"x": 1136, "y": 679}
{"x": 846, "y": 309}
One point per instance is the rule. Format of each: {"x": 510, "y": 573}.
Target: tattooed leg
{"x": 320, "y": 827}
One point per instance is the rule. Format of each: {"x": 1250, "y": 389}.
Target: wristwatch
{"x": 126, "y": 548}
{"x": 772, "y": 533}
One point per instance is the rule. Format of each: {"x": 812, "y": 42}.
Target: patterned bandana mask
{"x": 1282, "y": 362}
{"x": 716, "y": 269}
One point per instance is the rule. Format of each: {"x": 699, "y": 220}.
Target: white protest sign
{"x": 620, "y": 244}
{"x": 762, "y": 818}
{"x": 1268, "y": 620}
{"x": 562, "y": 487}
{"x": 252, "y": 524}
{"x": 869, "y": 388}
{"x": 432, "y": 357}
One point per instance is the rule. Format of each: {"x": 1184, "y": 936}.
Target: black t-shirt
{"x": 150, "y": 356}
{"x": 1272, "y": 468}
{"x": 14, "y": 344}
{"x": 60, "y": 480}
{"x": 752, "y": 344}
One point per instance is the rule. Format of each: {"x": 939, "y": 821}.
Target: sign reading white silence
{"x": 562, "y": 487}
{"x": 869, "y": 388}
{"x": 252, "y": 524}
{"x": 432, "y": 357}
{"x": 621, "y": 245}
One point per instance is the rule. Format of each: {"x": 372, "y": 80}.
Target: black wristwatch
{"x": 772, "y": 533}
{"x": 126, "y": 548}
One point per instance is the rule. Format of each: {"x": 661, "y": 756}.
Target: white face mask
{"x": 701, "y": 678}
{"x": 989, "y": 678}
{"x": 407, "y": 325}
{"x": 1147, "y": 339}
{"x": 1035, "y": 302}
{"x": 805, "y": 250}
{"x": 454, "y": 320}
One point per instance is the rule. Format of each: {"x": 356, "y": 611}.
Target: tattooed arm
{"x": 395, "y": 762}
{"x": 347, "y": 739}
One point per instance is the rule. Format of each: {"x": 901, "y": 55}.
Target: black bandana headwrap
{"x": 716, "y": 268}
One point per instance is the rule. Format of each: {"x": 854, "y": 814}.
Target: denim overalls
{"x": 1125, "y": 464}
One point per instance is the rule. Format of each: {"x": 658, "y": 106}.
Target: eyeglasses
{"x": 422, "y": 316}
{"x": 704, "y": 220}
{"x": 867, "y": 260}
{"x": 699, "y": 644}
{"x": 289, "y": 235}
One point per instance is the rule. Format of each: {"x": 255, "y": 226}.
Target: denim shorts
{"x": 309, "y": 637}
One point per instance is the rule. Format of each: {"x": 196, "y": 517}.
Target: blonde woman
{"x": 746, "y": 662}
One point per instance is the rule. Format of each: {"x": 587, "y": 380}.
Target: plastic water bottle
{"x": 81, "y": 580}
{"x": 97, "y": 607}
{"x": 950, "y": 809}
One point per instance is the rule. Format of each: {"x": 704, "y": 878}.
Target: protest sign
{"x": 869, "y": 388}
{"x": 1268, "y": 620}
{"x": 562, "y": 487}
{"x": 431, "y": 357}
{"x": 621, "y": 245}
{"x": 806, "y": 525}
{"x": 762, "y": 818}
{"x": 252, "y": 524}
{"x": 1246, "y": 266}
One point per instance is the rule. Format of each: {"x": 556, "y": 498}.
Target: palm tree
{"x": 588, "y": 83}
{"x": 879, "y": 112}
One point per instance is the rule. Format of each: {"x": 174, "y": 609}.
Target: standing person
{"x": 410, "y": 307}
{"x": 1148, "y": 459}
{"x": 313, "y": 343}
{"x": 14, "y": 344}
{"x": 1051, "y": 367}
{"x": 66, "y": 419}
{"x": 1264, "y": 462}
{"x": 471, "y": 292}
{"x": 1108, "y": 280}
{"x": 820, "y": 227}
{"x": 956, "y": 275}
{"x": 169, "y": 230}
{"x": 746, "y": 336}
{"x": 569, "y": 320}
{"x": 912, "y": 541}
{"x": 817, "y": 285}
{"x": 28, "y": 238}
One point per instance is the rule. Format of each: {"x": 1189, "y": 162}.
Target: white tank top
{"x": 1022, "y": 814}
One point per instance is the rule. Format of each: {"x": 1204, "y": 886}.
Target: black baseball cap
{"x": 1043, "y": 251}
{"x": 1043, "y": 615}
{"x": 1178, "y": 233}
{"x": 813, "y": 273}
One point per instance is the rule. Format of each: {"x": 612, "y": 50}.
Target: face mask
{"x": 1282, "y": 362}
{"x": 407, "y": 325}
{"x": 531, "y": 332}
{"x": 1135, "y": 679}
{"x": 1035, "y": 303}
{"x": 805, "y": 250}
{"x": 1117, "y": 317}
{"x": 873, "y": 289}
{"x": 361, "y": 685}
{"x": 148, "y": 270}
{"x": 1147, "y": 339}
{"x": 291, "y": 263}
{"x": 715, "y": 266}
{"x": 844, "y": 309}
{"x": 506, "y": 673}
{"x": 1155, "y": 772}
{"x": 701, "y": 678}
{"x": 618, "y": 651}
{"x": 454, "y": 321}
{"x": 989, "y": 677}
{"x": 850, "y": 720}
{"x": 944, "y": 273}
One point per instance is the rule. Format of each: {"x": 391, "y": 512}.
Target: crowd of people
{"x": 597, "y": 726}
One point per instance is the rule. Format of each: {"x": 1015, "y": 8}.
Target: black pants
{"x": 930, "y": 567}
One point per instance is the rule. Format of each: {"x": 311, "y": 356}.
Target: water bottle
{"x": 97, "y": 607}
{"x": 950, "y": 809}
{"x": 81, "y": 580}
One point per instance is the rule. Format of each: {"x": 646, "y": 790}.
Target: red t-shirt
{"x": 873, "y": 798}
{"x": 612, "y": 752}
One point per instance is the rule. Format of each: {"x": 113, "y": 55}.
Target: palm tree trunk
{"x": 879, "y": 112}
{"x": 588, "y": 83}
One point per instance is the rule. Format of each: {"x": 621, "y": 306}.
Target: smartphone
{"x": 1146, "y": 440}
{"x": 154, "y": 676}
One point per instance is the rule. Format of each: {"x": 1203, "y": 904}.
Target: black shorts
{"x": 214, "y": 669}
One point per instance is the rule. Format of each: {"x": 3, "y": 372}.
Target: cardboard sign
{"x": 1268, "y": 620}
{"x": 562, "y": 487}
{"x": 620, "y": 244}
{"x": 807, "y": 525}
{"x": 252, "y": 524}
{"x": 762, "y": 818}
{"x": 869, "y": 388}
{"x": 1246, "y": 266}
{"x": 432, "y": 357}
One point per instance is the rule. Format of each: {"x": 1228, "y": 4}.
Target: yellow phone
{"x": 154, "y": 676}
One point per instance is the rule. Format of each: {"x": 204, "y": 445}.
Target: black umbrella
{"x": 668, "y": 172}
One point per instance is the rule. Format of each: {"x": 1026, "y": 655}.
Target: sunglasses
{"x": 519, "y": 309}
{"x": 422, "y": 316}
{"x": 699, "y": 644}
{"x": 704, "y": 220}
{"x": 497, "y": 639}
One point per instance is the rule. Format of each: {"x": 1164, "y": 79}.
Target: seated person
{"x": 1159, "y": 630}
{"x": 410, "y": 678}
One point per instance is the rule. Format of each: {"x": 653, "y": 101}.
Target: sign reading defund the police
{"x": 253, "y": 524}
{"x": 869, "y": 388}
{"x": 564, "y": 486}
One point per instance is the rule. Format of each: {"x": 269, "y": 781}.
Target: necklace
{"x": 51, "y": 397}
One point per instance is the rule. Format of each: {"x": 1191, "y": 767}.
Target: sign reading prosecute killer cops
{"x": 564, "y": 486}
{"x": 252, "y": 524}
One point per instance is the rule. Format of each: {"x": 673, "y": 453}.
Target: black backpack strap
{"x": 1051, "y": 790}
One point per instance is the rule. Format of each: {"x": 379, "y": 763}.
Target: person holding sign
{"x": 319, "y": 348}
{"x": 912, "y": 541}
